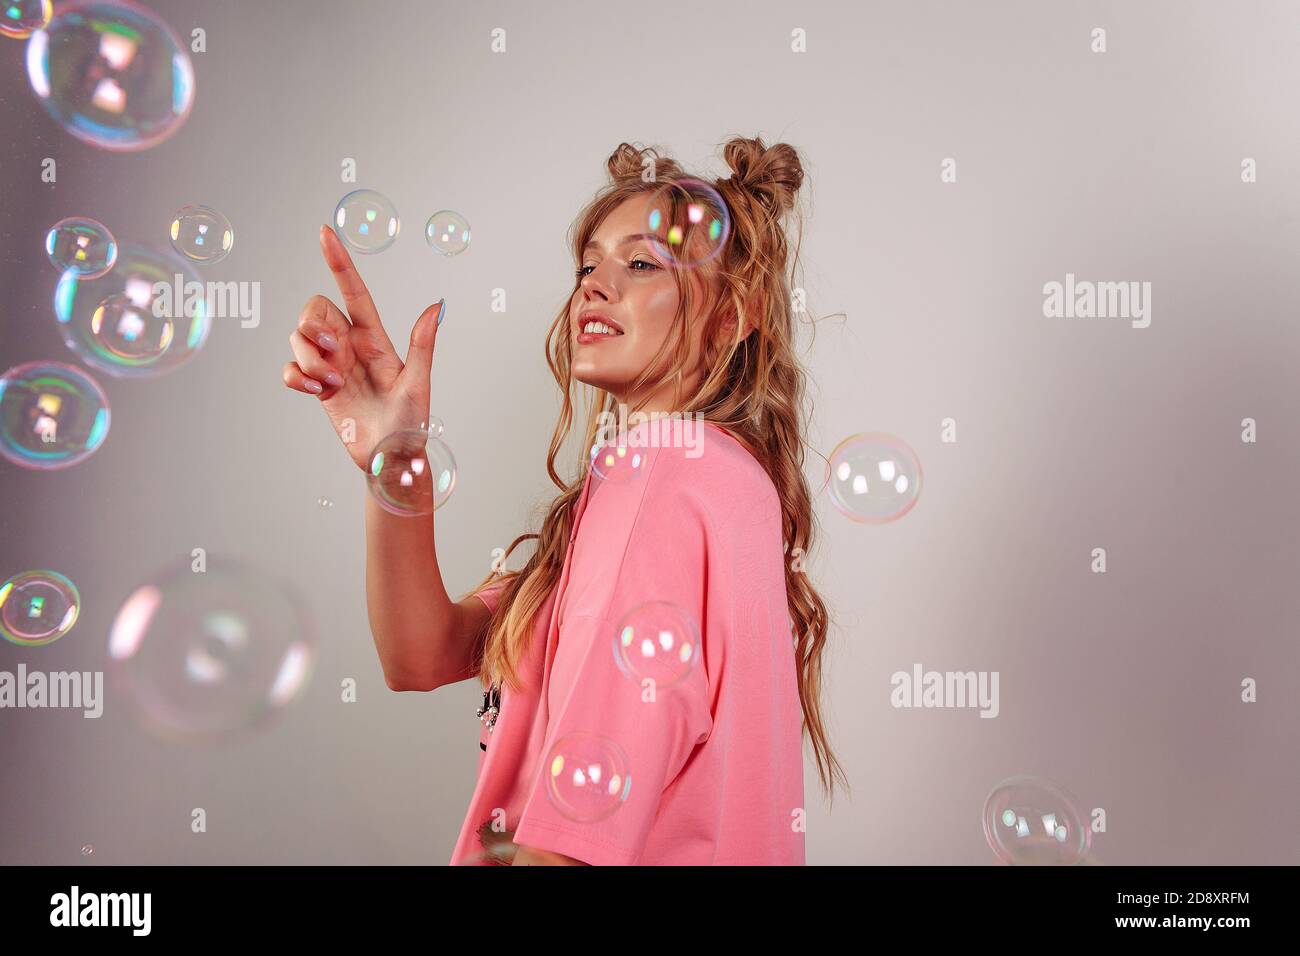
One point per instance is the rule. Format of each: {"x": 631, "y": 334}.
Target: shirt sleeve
{"x": 491, "y": 594}
{"x": 656, "y": 535}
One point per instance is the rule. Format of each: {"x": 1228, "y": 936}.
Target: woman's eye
{"x": 650, "y": 267}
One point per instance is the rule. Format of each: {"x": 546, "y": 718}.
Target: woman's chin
{"x": 595, "y": 378}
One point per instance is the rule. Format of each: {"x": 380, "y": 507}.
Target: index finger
{"x": 356, "y": 297}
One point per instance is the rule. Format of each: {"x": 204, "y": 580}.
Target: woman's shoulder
{"x": 714, "y": 467}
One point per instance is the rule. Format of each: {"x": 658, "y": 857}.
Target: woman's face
{"x": 629, "y": 287}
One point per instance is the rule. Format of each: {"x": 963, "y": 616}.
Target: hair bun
{"x": 631, "y": 162}
{"x": 772, "y": 174}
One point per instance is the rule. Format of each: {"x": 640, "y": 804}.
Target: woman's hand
{"x": 349, "y": 363}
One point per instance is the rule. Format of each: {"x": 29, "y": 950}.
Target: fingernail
{"x": 311, "y": 385}
{"x": 327, "y": 341}
{"x": 334, "y": 378}
{"x": 442, "y": 310}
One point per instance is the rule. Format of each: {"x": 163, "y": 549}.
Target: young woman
{"x": 700, "y": 517}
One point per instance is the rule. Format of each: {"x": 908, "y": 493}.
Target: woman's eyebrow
{"x": 593, "y": 244}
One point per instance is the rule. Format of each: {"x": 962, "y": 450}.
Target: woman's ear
{"x": 729, "y": 324}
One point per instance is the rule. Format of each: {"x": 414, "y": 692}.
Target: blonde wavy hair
{"x": 751, "y": 384}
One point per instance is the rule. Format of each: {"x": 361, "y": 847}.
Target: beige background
{"x": 1072, "y": 434}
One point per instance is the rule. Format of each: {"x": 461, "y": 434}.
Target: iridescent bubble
{"x": 616, "y": 462}
{"x": 163, "y": 329}
{"x": 587, "y": 777}
{"x": 51, "y": 415}
{"x": 132, "y": 335}
{"x": 874, "y": 477}
{"x": 658, "y": 641}
{"x": 1029, "y": 821}
{"x": 367, "y": 221}
{"x": 412, "y": 472}
{"x": 447, "y": 232}
{"x": 84, "y": 246}
{"x": 201, "y": 234}
{"x": 211, "y": 652}
{"x": 324, "y": 503}
{"x": 38, "y": 607}
{"x": 689, "y": 220}
{"x": 112, "y": 74}
{"x": 21, "y": 18}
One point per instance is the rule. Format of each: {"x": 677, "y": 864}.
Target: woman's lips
{"x": 585, "y": 338}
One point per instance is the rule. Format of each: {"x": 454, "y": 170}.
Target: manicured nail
{"x": 334, "y": 378}
{"x": 442, "y": 310}
{"x": 311, "y": 385}
{"x": 326, "y": 341}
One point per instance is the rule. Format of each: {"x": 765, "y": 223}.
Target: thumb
{"x": 419, "y": 354}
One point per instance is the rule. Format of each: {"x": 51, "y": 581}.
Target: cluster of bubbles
{"x": 412, "y": 471}
{"x": 211, "y": 653}
{"x": 873, "y": 478}
{"x": 587, "y": 777}
{"x": 110, "y": 73}
{"x": 1029, "y": 821}
{"x": 367, "y": 221}
{"x": 38, "y": 607}
{"x": 202, "y": 652}
{"x": 128, "y": 322}
{"x": 115, "y": 76}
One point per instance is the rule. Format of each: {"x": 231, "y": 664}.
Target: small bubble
{"x": 324, "y": 502}
{"x": 88, "y": 849}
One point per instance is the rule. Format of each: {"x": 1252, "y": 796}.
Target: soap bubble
{"x": 129, "y": 333}
{"x": 447, "y": 232}
{"x": 158, "y": 333}
{"x": 659, "y": 641}
{"x": 874, "y": 477}
{"x": 201, "y": 234}
{"x": 51, "y": 415}
{"x": 84, "y": 246}
{"x": 412, "y": 472}
{"x": 616, "y": 463}
{"x": 21, "y": 18}
{"x": 88, "y": 849}
{"x": 1029, "y": 821}
{"x": 689, "y": 220}
{"x": 324, "y": 503}
{"x": 210, "y": 653}
{"x": 112, "y": 74}
{"x": 587, "y": 777}
{"x": 38, "y": 607}
{"x": 367, "y": 221}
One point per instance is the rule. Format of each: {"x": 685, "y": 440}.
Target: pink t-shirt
{"x": 715, "y": 761}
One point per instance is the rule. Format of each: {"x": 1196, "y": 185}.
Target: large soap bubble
{"x": 52, "y": 415}
{"x": 112, "y": 74}
{"x": 134, "y": 322}
{"x": 212, "y": 652}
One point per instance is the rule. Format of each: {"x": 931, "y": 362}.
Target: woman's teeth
{"x": 600, "y": 328}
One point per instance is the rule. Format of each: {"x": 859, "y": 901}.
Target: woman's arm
{"x": 424, "y": 639}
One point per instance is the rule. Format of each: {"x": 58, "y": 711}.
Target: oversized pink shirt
{"x": 715, "y": 761}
